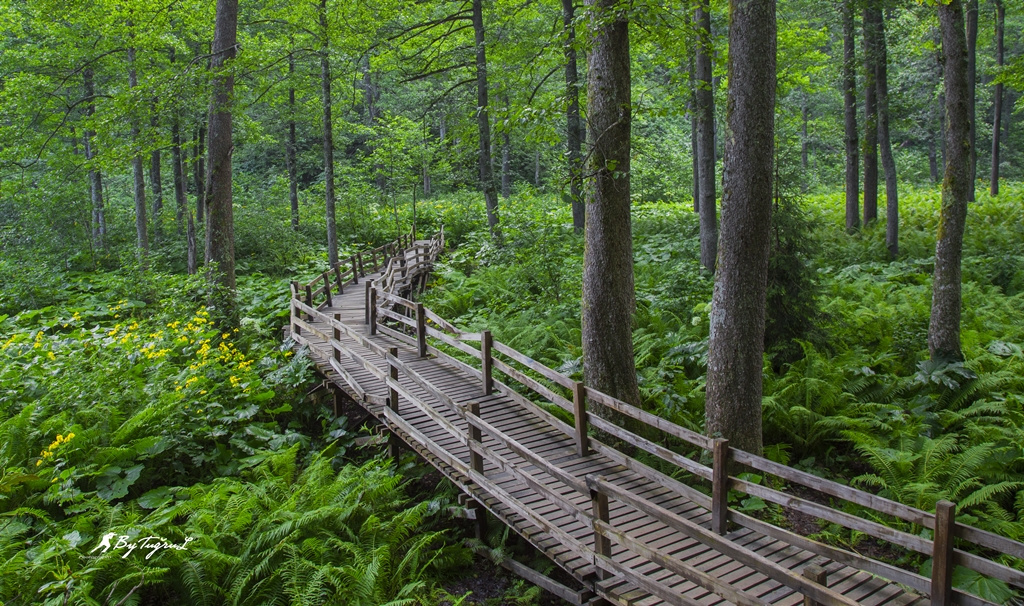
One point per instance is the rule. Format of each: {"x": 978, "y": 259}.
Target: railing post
{"x": 404, "y": 267}
{"x": 337, "y": 274}
{"x": 579, "y": 408}
{"x": 421, "y": 330}
{"x": 942, "y": 554}
{"x": 485, "y": 353}
{"x": 309, "y": 299}
{"x": 394, "y": 444}
{"x": 296, "y": 329}
{"x": 413, "y": 232}
{"x": 337, "y": 337}
{"x": 476, "y": 460}
{"x": 373, "y": 309}
{"x": 720, "y": 487}
{"x": 327, "y": 289}
{"x": 373, "y": 256}
{"x": 366, "y": 301}
{"x": 355, "y": 270}
{"x": 815, "y": 574}
{"x": 602, "y": 544}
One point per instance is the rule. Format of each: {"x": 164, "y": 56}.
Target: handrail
{"x": 423, "y": 328}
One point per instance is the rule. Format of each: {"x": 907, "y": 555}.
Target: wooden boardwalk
{"x": 628, "y": 533}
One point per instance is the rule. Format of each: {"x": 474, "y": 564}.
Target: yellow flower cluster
{"x": 52, "y": 448}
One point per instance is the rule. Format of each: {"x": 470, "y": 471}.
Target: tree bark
{"x": 156, "y": 180}
{"x": 483, "y": 123}
{"x": 850, "y": 120}
{"x": 138, "y": 175}
{"x": 892, "y": 206}
{"x": 199, "y": 171}
{"x": 997, "y": 110}
{"x": 733, "y": 402}
{"x": 293, "y": 172}
{"x": 972, "y": 78}
{"x": 608, "y": 297}
{"x": 220, "y": 231}
{"x": 328, "y": 126}
{"x": 573, "y": 138}
{"x": 944, "y": 325}
{"x": 506, "y": 160}
{"x": 99, "y": 215}
{"x": 704, "y": 98}
{"x": 870, "y": 123}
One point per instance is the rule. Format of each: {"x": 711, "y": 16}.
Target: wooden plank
{"x": 656, "y": 449}
{"x": 534, "y": 365}
{"x": 649, "y": 419}
{"x": 534, "y": 385}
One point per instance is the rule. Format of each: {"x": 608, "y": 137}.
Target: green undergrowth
{"x": 849, "y": 390}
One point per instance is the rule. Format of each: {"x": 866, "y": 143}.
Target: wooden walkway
{"x": 628, "y": 533}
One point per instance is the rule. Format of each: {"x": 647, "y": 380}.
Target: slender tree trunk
{"x": 138, "y": 175}
{"x": 850, "y": 120}
{"x": 180, "y": 199}
{"x": 705, "y": 113}
{"x": 190, "y": 236}
{"x": 328, "y": 126}
{"x": 156, "y": 180}
{"x": 573, "y": 132}
{"x": 972, "y": 78}
{"x": 220, "y": 230}
{"x": 733, "y": 401}
{"x": 870, "y": 123}
{"x": 892, "y": 205}
{"x": 944, "y": 325}
{"x": 997, "y": 109}
{"x": 293, "y": 172}
{"x": 483, "y": 123}
{"x": 608, "y": 298}
{"x": 99, "y": 218}
{"x": 506, "y": 161}
{"x": 199, "y": 171}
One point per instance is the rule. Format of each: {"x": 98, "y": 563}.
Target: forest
{"x": 793, "y": 224}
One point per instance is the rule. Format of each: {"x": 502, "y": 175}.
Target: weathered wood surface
{"x": 659, "y": 541}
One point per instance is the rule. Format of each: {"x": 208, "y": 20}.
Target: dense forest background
{"x": 131, "y": 402}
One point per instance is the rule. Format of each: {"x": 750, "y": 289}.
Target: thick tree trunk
{"x": 328, "y": 126}
{"x": 573, "y": 132}
{"x": 870, "y": 123}
{"x": 220, "y": 230}
{"x": 997, "y": 109}
{"x": 892, "y": 206}
{"x": 733, "y": 402}
{"x": 156, "y": 181}
{"x": 944, "y": 325}
{"x": 608, "y": 298}
{"x": 972, "y": 78}
{"x": 850, "y": 120}
{"x": 199, "y": 171}
{"x": 178, "y": 170}
{"x": 705, "y": 113}
{"x": 293, "y": 172}
{"x": 483, "y": 123}
{"x": 99, "y": 215}
{"x": 138, "y": 175}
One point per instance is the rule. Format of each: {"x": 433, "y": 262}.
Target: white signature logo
{"x": 153, "y": 544}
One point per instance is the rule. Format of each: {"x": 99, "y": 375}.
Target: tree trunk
{"x": 892, "y": 212}
{"x": 99, "y": 218}
{"x": 190, "y": 236}
{"x": 733, "y": 401}
{"x": 138, "y": 176}
{"x": 220, "y": 230}
{"x": 180, "y": 200}
{"x": 850, "y": 120}
{"x": 870, "y": 123}
{"x": 199, "y": 170}
{"x": 506, "y": 161}
{"x": 972, "y": 77}
{"x": 944, "y": 325}
{"x": 483, "y": 123}
{"x": 608, "y": 298}
{"x": 997, "y": 109}
{"x": 293, "y": 172}
{"x": 704, "y": 98}
{"x": 328, "y": 126}
{"x": 156, "y": 180}
{"x": 573, "y": 137}
{"x": 933, "y": 163}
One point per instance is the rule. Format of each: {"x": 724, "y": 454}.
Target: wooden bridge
{"x": 515, "y": 436}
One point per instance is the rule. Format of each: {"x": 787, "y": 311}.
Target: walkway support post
{"x": 373, "y": 309}
{"x": 486, "y": 342}
{"x": 421, "y": 330}
{"x": 476, "y": 460}
{"x": 818, "y": 575}
{"x": 394, "y": 444}
{"x": 579, "y": 409}
{"x": 355, "y": 270}
{"x": 942, "y": 554}
{"x": 599, "y": 508}
{"x": 720, "y": 487}
{"x": 296, "y": 329}
{"x": 337, "y": 337}
{"x": 309, "y": 300}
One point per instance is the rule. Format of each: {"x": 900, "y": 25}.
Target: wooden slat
{"x": 534, "y": 385}
{"x": 660, "y": 451}
{"x": 534, "y": 365}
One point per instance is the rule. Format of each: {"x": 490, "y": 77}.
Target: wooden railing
{"x": 412, "y": 323}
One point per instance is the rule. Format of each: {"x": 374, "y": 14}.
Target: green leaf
{"x": 157, "y": 497}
